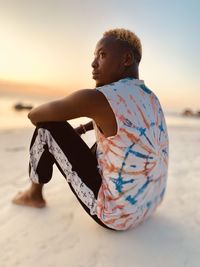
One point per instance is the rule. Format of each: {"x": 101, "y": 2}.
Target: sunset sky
{"x": 51, "y": 42}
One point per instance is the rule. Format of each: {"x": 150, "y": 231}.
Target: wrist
{"x": 83, "y": 129}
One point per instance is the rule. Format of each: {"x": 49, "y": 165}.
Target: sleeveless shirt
{"x": 134, "y": 162}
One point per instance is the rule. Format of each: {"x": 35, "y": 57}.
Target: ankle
{"x": 36, "y": 191}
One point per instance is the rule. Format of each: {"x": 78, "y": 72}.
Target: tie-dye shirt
{"x": 134, "y": 162}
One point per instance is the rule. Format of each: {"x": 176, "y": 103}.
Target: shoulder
{"x": 88, "y": 102}
{"x": 87, "y": 96}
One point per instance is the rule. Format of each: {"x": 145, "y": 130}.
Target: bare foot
{"x": 26, "y": 198}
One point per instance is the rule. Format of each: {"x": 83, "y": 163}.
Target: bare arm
{"x": 82, "y": 103}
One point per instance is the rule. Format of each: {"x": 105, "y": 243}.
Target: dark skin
{"x": 113, "y": 60}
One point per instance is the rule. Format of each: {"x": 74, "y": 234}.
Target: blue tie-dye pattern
{"x": 145, "y": 89}
{"x": 153, "y": 125}
{"x": 142, "y": 132}
{"x": 119, "y": 182}
{"x": 132, "y": 199}
{"x": 126, "y": 79}
{"x": 144, "y": 106}
{"x": 164, "y": 151}
{"x": 161, "y": 129}
{"x": 133, "y": 166}
{"x": 123, "y": 188}
{"x": 128, "y": 123}
{"x": 149, "y": 204}
{"x": 162, "y": 193}
{"x": 140, "y": 155}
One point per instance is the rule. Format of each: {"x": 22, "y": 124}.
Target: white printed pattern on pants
{"x": 84, "y": 193}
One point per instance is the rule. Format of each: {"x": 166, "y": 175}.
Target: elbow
{"x": 31, "y": 118}
{"x": 30, "y": 114}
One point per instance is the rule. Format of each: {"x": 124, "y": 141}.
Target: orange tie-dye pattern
{"x": 133, "y": 163}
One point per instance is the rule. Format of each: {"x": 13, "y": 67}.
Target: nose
{"x": 94, "y": 63}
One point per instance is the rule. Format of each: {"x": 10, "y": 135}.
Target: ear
{"x": 128, "y": 59}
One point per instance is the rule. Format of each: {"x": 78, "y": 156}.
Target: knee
{"x": 51, "y": 124}
{"x": 56, "y": 126}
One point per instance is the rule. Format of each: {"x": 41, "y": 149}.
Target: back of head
{"x": 130, "y": 39}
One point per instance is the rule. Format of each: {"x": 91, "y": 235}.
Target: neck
{"x": 131, "y": 72}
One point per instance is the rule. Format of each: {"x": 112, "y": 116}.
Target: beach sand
{"x": 63, "y": 235}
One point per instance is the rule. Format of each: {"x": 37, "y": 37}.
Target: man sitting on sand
{"x": 121, "y": 180}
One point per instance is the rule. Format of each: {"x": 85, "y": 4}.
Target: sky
{"x": 52, "y": 42}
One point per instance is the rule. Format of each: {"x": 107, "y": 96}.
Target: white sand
{"x": 64, "y": 235}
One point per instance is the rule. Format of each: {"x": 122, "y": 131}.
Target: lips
{"x": 95, "y": 74}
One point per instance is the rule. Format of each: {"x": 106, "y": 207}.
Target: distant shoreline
{"x": 31, "y": 90}
{"x": 21, "y": 91}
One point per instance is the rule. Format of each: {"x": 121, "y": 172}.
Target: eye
{"x": 102, "y": 54}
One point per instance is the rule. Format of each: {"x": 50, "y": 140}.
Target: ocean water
{"x": 12, "y": 119}
{"x": 15, "y": 119}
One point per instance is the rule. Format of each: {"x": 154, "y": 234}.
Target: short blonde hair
{"x": 129, "y": 37}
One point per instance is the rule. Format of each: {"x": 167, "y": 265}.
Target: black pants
{"x": 57, "y": 142}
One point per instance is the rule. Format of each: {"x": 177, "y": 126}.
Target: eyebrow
{"x": 98, "y": 50}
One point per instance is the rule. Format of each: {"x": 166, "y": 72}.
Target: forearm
{"x": 82, "y": 103}
{"x": 46, "y": 112}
